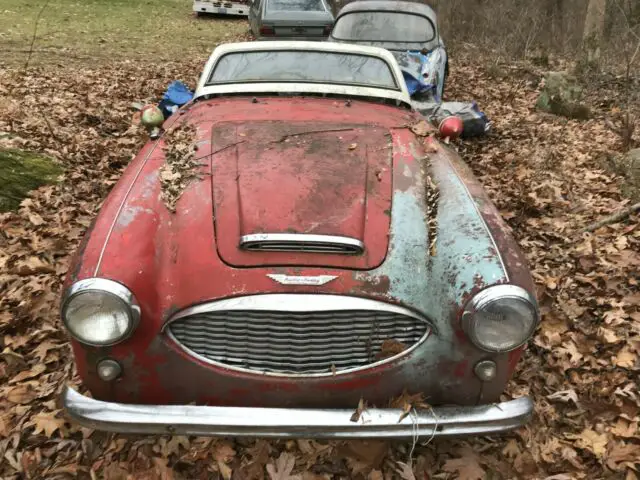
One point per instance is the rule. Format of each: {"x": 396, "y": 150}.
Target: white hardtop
{"x": 401, "y": 95}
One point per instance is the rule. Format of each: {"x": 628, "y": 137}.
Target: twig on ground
{"x": 35, "y": 32}
{"x": 616, "y": 217}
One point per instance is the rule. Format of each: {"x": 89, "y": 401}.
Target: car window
{"x": 303, "y": 67}
{"x": 296, "y": 6}
{"x": 384, "y": 26}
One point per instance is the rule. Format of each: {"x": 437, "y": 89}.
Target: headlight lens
{"x": 99, "y": 312}
{"x": 500, "y": 318}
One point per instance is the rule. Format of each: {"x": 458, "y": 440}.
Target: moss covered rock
{"x": 562, "y": 95}
{"x": 21, "y": 172}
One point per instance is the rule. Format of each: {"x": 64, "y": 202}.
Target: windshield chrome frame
{"x": 400, "y": 96}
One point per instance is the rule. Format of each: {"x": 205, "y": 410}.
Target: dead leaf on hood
{"x": 422, "y": 128}
{"x": 180, "y": 167}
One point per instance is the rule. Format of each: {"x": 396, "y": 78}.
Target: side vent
{"x": 301, "y": 242}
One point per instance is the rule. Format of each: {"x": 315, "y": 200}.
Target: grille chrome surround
{"x": 301, "y": 242}
{"x": 295, "y": 334}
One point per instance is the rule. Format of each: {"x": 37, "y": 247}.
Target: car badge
{"x": 301, "y": 280}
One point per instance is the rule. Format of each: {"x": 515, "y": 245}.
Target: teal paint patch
{"x": 466, "y": 258}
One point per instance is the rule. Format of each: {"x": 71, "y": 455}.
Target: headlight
{"x": 99, "y": 312}
{"x": 500, "y": 318}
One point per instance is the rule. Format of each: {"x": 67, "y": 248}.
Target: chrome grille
{"x": 295, "y": 342}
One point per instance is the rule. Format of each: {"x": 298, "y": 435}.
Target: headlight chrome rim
{"x": 492, "y": 294}
{"x": 109, "y": 287}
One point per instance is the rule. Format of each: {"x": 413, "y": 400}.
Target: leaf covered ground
{"x": 548, "y": 176}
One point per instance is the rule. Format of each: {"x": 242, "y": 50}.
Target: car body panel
{"x": 170, "y": 262}
{"x": 221, "y": 7}
{"x": 344, "y": 164}
{"x": 314, "y": 164}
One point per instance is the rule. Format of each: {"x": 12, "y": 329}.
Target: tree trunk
{"x": 554, "y": 10}
{"x": 593, "y": 30}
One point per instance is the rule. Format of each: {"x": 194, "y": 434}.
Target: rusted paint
{"x": 306, "y": 182}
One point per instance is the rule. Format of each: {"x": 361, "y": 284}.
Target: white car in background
{"x": 235, "y": 7}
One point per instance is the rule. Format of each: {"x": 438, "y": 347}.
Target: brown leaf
{"x": 283, "y": 467}
{"x": 22, "y": 394}
{"x": 390, "y": 348}
{"x": 466, "y": 467}
{"x": 595, "y": 442}
{"x": 49, "y": 423}
{"x": 362, "y": 407}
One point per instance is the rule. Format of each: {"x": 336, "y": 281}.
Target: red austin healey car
{"x": 294, "y": 244}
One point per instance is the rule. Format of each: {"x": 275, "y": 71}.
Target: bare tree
{"x": 593, "y": 30}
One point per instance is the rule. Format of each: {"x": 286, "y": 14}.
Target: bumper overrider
{"x": 294, "y": 423}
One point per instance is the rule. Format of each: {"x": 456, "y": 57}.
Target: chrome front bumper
{"x": 294, "y": 423}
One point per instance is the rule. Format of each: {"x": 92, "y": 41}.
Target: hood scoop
{"x": 300, "y": 242}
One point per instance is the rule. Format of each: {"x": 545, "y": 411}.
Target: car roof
{"x": 395, "y": 6}
{"x": 401, "y": 95}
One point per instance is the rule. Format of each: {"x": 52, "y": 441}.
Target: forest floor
{"x": 549, "y": 176}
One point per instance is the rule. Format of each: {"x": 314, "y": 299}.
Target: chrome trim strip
{"x": 294, "y": 302}
{"x": 285, "y": 302}
{"x": 294, "y": 422}
{"x": 282, "y": 242}
{"x": 106, "y": 286}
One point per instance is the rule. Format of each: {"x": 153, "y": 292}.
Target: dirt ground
{"x": 550, "y": 178}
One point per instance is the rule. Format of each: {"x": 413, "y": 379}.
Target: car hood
{"x": 300, "y": 177}
{"x": 314, "y": 165}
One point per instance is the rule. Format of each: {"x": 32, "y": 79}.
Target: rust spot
{"x": 461, "y": 369}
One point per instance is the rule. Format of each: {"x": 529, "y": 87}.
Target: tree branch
{"x": 616, "y": 217}
{"x": 35, "y": 32}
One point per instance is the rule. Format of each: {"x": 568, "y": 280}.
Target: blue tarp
{"x": 412, "y": 63}
{"x": 176, "y": 95}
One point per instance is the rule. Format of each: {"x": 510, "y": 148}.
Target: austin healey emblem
{"x": 301, "y": 280}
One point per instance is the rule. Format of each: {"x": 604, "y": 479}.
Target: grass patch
{"x": 97, "y": 30}
{"x": 21, "y": 172}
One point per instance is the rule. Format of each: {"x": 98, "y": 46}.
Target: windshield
{"x": 296, "y": 6}
{"x": 303, "y": 67}
{"x": 384, "y": 26}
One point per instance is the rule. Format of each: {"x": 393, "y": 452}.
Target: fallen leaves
{"x": 542, "y": 173}
{"x": 282, "y": 468}
{"x": 390, "y": 348}
{"x": 466, "y": 467}
{"x": 49, "y": 423}
{"x": 180, "y": 167}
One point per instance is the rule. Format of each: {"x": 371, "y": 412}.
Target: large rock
{"x": 629, "y": 166}
{"x": 561, "y": 95}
